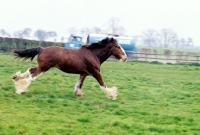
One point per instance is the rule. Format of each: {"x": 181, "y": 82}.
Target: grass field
{"x": 154, "y": 99}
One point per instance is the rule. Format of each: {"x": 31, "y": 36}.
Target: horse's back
{"x": 59, "y": 51}
{"x": 67, "y": 60}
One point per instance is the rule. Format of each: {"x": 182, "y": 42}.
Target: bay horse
{"x": 84, "y": 61}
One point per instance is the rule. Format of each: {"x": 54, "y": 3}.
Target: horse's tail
{"x": 28, "y": 53}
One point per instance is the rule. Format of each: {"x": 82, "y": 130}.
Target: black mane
{"x": 101, "y": 43}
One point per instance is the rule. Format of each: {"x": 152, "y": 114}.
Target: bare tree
{"x": 43, "y": 35}
{"x": 85, "y": 31}
{"x": 121, "y": 30}
{"x": 177, "y": 43}
{"x": 51, "y": 34}
{"x": 4, "y": 33}
{"x": 150, "y": 37}
{"x": 182, "y": 42}
{"x": 62, "y": 39}
{"x": 22, "y": 33}
{"x": 114, "y": 28}
{"x": 169, "y": 37}
{"x": 96, "y": 30}
{"x": 72, "y": 30}
{"x": 189, "y": 42}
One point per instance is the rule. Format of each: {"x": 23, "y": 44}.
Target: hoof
{"x": 15, "y": 76}
{"x": 80, "y": 94}
{"x": 111, "y": 92}
{"x": 83, "y": 95}
{"x": 20, "y": 92}
{"x": 17, "y": 92}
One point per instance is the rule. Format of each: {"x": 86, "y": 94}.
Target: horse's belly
{"x": 72, "y": 69}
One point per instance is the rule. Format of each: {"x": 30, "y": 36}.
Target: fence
{"x": 163, "y": 58}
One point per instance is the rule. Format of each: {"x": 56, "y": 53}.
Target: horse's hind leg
{"x": 77, "y": 88}
{"x": 36, "y": 72}
{"x": 27, "y": 73}
{"x": 23, "y": 75}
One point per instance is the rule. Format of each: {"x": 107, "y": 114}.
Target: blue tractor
{"x": 127, "y": 43}
{"x": 74, "y": 42}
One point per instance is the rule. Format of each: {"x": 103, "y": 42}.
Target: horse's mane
{"x": 100, "y": 44}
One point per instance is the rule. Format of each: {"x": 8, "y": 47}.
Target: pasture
{"x": 154, "y": 99}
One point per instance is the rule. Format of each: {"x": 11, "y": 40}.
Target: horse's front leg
{"x": 110, "y": 92}
{"x": 77, "y": 88}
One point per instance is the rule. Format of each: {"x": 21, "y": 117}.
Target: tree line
{"x": 40, "y": 34}
{"x": 8, "y": 44}
{"x": 165, "y": 37}
{"x": 43, "y": 35}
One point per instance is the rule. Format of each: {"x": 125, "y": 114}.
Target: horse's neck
{"x": 102, "y": 54}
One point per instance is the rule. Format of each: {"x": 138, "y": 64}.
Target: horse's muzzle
{"x": 123, "y": 59}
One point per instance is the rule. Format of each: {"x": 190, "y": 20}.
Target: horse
{"x": 84, "y": 61}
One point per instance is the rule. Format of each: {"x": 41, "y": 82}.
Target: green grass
{"x": 154, "y": 99}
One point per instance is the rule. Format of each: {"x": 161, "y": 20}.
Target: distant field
{"x": 155, "y": 99}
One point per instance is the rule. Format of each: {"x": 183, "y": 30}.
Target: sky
{"x": 136, "y": 16}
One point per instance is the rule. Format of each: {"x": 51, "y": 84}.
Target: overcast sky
{"x": 183, "y": 16}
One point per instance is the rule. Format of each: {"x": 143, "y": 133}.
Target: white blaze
{"x": 123, "y": 56}
{"x": 122, "y": 48}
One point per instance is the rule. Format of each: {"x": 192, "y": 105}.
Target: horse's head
{"x": 116, "y": 49}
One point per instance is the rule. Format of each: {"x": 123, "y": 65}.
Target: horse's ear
{"x": 104, "y": 41}
{"x": 112, "y": 39}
